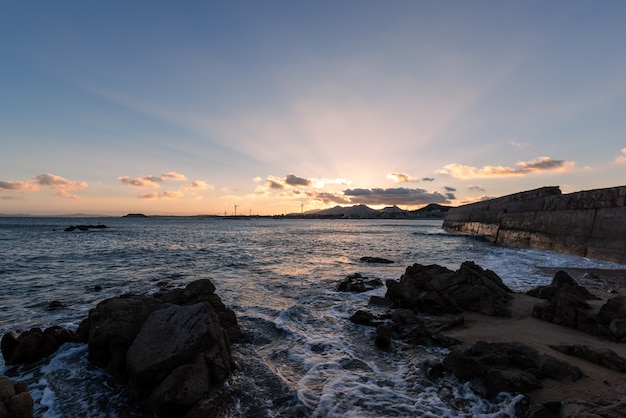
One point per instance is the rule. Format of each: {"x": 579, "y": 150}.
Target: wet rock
{"x": 511, "y": 367}
{"x": 365, "y": 318}
{"x": 357, "y": 283}
{"x": 437, "y": 290}
{"x": 15, "y": 401}
{"x": 384, "y": 336}
{"x": 173, "y": 348}
{"x": 25, "y": 347}
{"x": 84, "y": 227}
{"x": 614, "y": 308}
{"x": 377, "y": 260}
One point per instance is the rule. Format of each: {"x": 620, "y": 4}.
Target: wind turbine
{"x": 235, "y": 208}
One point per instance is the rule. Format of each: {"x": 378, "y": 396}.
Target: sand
{"x": 598, "y": 384}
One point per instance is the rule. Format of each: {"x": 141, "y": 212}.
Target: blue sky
{"x": 191, "y": 107}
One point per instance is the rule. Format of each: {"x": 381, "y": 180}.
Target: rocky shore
{"x": 558, "y": 346}
{"x": 561, "y": 348}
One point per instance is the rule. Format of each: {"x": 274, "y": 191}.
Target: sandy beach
{"x": 599, "y": 385}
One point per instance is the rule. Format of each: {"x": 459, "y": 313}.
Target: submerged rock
{"x": 357, "y": 283}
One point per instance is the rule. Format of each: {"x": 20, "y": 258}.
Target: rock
{"x": 20, "y": 347}
{"x": 562, "y": 283}
{"x": 15, "y": 401}
{"x": 376, "y": 260}
{"x": 614, "y": 308}
{"x": 618, "y": 328}
{"x": 384, "y": 336}
{"x": 179, "y": 353}
{"x": 602, "y": 356}
{"x": 365, "y": 318}
{"x": 172, "y": 348}
{"x": 438, "y": 290}
{"x": 84, "y": 227}
{"x": 357, "y": 283}
{"x": 511, "y": 367}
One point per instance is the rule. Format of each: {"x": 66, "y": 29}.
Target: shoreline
{"x": 598, "y": 385}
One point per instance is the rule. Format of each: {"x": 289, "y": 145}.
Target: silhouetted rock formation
{"x": 24, "y": 347}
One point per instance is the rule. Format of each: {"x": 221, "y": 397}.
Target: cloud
{"x": 52, "y": 181}
{"x": 151, "y": 181}
{"x": 58, "y": 183}
{"x": 147, "y": 181}
{"x": 622, "y": 158}
{"x": 199, "y": 185}
{"x": 524, "y": 167}
{"x": 393, "y": 196}
{"x": 296, "y": 181}
{"x": 428, "y": 179}
{"x": 402, "y": 178}
{"x": 174, "y": 176}
{"x": 17, "y": 185}
{"x": 162, "y": 195}
{"x": 449, "y": 189}
{"x": 476, "y": 187}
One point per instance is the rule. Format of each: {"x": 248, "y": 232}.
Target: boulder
{"x": 357, "y": 283}
{"x": 506, "y": 367}
{"x": 438, "y": 290}
{"x": 172, "y": 347}
{"x": 19, "y": 347}
{"x": 179, "y": 353}
{"x": 15, "y": 401}
{"x": 602, "y": 356}
{"x": 562, "y": 283}
{"x": 614, "y": 308}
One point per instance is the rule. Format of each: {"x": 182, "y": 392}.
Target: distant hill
{"x": 432, "y": 210}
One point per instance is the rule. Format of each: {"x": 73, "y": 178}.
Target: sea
{"x": 304, "y": 358}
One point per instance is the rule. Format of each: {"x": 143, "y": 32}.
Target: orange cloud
{"x": 163, "y": 195}
{"x": 622, "y": 158}
{"x": 151, "y": 181}
{"x": 43, "y": 180}
{"x": 402, "y": 178}
{"x": 199, "y": 185}
{"x": 540, "y": 164}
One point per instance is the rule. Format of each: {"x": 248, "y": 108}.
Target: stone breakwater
{"x": 589, "y": 223}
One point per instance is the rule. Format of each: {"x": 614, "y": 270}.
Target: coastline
{"x": 599, "y": 384}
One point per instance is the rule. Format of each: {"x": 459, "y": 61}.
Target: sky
{"x": 273, "y": 107}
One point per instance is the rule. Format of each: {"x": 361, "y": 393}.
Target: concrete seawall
{"x": 590, "y": 223}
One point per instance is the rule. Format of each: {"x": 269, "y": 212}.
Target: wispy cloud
{"x": 199, "y": 185}
{"x": 622, "y": 158}
{"x": 151, "y": 181}
{"x": 402, "y": 178}
{"x": 540, "y": 164}
{"x": 61, "y": 185}
{"x": 476, "y": 187}
{"x": 162, "y": 195}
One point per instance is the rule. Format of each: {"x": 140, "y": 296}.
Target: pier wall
{"x": 589, "y": 223}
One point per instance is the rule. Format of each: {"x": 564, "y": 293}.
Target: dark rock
{"x": 438, "y": 290}
{"x": 173, "y": 348}
{"x": 379, "y": 301}
{"x": 15, "y": 401}
{"x": 602, "y": 356}
{"x": 84, "y": 227}
{"x": 357, "y": 283}
{"x": 511, "y": 367}
{"x": 25, "y": 347}
{"x": 55, "y": 304}
{"x": 365, "y": 318}
{"x": 378, "y": 260}
{"x": 384, "y": 336}
{"x": 561, "y": 283}
{"x": 614, "y": 308}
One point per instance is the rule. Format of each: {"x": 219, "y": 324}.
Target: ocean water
{"x": 278, "y": 275}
